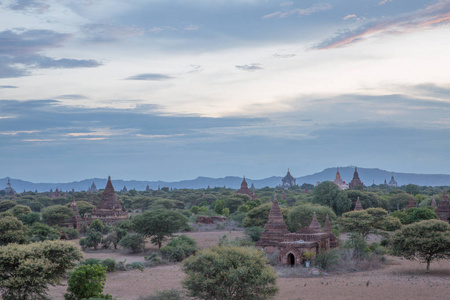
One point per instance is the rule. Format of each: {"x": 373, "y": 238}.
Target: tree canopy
{"x": 11, "y": 231}
{"x": 328, "y": 193}
{"x": 229, "y": 273}
{"x": 26, "y": 270}
{"x": 159, "y": 224}
{"x": 301, "y": 215}
{"x": 424, "y": 241}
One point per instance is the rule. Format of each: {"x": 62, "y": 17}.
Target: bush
{"x": 301, "y": 215}
{"x": 179, "y": 248}
{"x": 86, "y": 281}
{"x": 91, "y": 261}
{"x": 69, "y": 233}
{"x": 133, "y": 241}
{"x": 110, "y": 264}
{"x": 254, "y": 232}
{"x": 172, "y": 294}
{"x": 152, "y": 260}
{"x": 327, "y": 259}
{"x": 135, "y": 265}
{"x": 230, "y": 273}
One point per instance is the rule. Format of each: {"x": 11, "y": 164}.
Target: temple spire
{"x": 315, "y": 224}
{"x": 358, "y": 205}
{"x": 411, "y": 203}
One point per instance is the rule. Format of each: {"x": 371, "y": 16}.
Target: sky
{"x": 172, "y": 90}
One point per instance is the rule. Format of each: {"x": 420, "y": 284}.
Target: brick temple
{"x": 244, "y": 190}
{"x": 292, "y": 246}
{"x": 443, "y": 209}
{"x": 356, "y": 182}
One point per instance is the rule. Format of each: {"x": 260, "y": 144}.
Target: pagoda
{"x": 8, "y": 189}
{"x": 274, "y": 229}
{"x": 433, "y": 202}
{"x": 443, "y": 210}
{"x": 356, "y": 182}
{"x": 244, "y": 190}
{"x": 288, "y": 180}
{"x": 109, "y": 210}
{"x": 358, "y": 205}
{"x": 392, "y": 182}
{"x": 94, "y": 188}
{"x": 339, "y": 182}
{"x": 411, "y": 203}
{"x": 76, "y": 221}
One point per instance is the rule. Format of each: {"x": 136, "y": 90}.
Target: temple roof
{"x": 275, "y": 222}
{"x": 327, "y": 227}
{"x": 411, "y": 203}
{"x": 315, "y": 224}
{"x": 358, "y": 205}
{"x": 109, "y": 198}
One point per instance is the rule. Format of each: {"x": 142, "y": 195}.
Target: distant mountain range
{"x": 368, "y": 176}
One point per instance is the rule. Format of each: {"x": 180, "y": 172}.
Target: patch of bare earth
{"x": 399, "y": 279}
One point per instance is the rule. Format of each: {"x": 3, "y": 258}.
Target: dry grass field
{"x": 398, "y": 279}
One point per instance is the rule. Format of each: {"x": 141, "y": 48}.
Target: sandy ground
{"x": 399, "y": 280}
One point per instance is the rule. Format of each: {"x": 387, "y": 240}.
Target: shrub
{"x": 229, "y": 273}
{"x": 11, "y": 231}
{"x": 110, "y": 264}
{"x": 69, "y": 233}
{"x": 254, "y": 232}
{"x": 171, "y": 294}
{"x": 86, "y": 281}
{"x": 135, "y": 265}
{"x": 179, "y": 248}
{"x": 91, "y": 261}
{"x": 327, "y": 259}
{"x": 152, "y": 260}
{"x": 27, "y": 270}
{"x": 132, "y": 241}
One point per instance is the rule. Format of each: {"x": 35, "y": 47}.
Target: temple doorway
{"x": 291, "y": 259}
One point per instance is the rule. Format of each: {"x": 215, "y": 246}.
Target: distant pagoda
{"x": 392, "y": 182}
{"x": 8, "y": 189}
{"x": 288, "y": 180}
{"x": 411, "y": 203}
{"x": 358, "y": 205}
{"x": 244, "y": 190}
{"x": 109, "y": 210}
{"x": 339, "y": 182}
{"x": 94, "y": 188}
{"x": 356, "y": 182}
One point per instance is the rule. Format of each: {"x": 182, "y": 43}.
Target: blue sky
{"x": 173, "y": 90}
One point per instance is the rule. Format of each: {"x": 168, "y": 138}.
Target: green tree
{"x": 233, "y": 203}
{"x": 29, "y": 219}
{"x": 27, "y": 270}
{"x": 229, "y": 273}
{"x": 86, "y": 281}
{"x": 424, "y": 241}
{"x": 301, "y": 215}
{"x": 20, "y": 210}
{"x": 92, "y": 239}
{"x": 159, "y": 224}
{"x": 368, "y": 199}
{"x": 179, "y": 248}
{"x": 412, "y": 189}
{"x": 84, "y": 207}
{"x": 369, "y": 221}
{"x": 96, "y": 225}
{"x": 42, "y": 232}
{"x": 133, "y": 241}
{"x": 328, "y": 193}
{"x": 259, "y": 216}
{"x": 6, "y": 205}
{"x": 419, "y": 214}
{"x": 12, "y": 231}
{"x": 56, "y": 214}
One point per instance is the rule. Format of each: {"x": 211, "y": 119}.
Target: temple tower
{"x": 315, "y": 224}
{"x": 443, "y": 210}
{"x": 356, "y": 182}
{"x": 411, "y": 203}
{"x": 358, "y": 205}
{"x": 274, "y": 229}
{"x": 288, "y": 180}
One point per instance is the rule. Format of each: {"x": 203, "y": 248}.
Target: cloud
{"x": 39, "y": 7}
{"x": 71, "y": 97}
{"x": 421, "y": 19}
{"x": 250, "y": 67}
{"x": 384, "y": 2}
{"x": 195, "y": 69}
{"x": 8, "y": 86}
{"x": 284, "y": 55}
{"x": 150, "y": 77}
{"x": 300, "y": 11}
{"x": 348, "y": 17}
{"x": 19, "y": 52}
{"x": 96, "y": 32}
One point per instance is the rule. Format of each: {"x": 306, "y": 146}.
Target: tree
{"x": 29, "y": 219}
{"x": 84, "y": 207}
{"x": 56, "y": 214}
{"x": 328, "y": 193}
{"x": 301, "y": 215}
{"x": 424, "y": 241}
{"x": 6, "y": 205}
{"x": 368, "y": 199}
{"x": 27, "y": 270}
{"x": 412, "y": 189}
{"x": 179, "y": 248}
{"x": 85, "y": 282}
{"x": 96, "y": 225}
{"x": 229, "y": 273}
{"x": 369, "y": 221}
{"x": 259, "y": 216}
{"x": 11, "y": 231}
{"x": 42, "y": 232}
{"x": 20, "y": 210}
{"x": 133, "y": 241}
{"x": 159, "y": 224}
